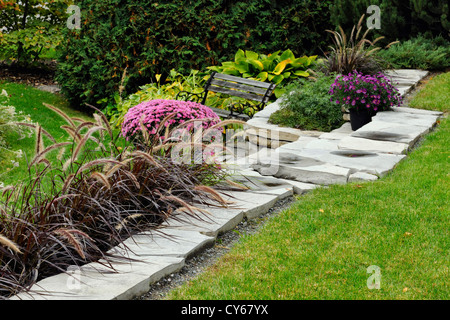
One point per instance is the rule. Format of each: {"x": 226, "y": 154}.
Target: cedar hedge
{"x": 400, "y": 19}
{"x": 152, "y": 37}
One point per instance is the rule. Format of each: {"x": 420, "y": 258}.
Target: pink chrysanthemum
{"x": 154, "y": 111}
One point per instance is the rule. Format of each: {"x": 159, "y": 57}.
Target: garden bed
{"x": 31, "y": 76}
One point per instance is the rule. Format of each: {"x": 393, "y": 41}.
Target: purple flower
{"x": 357, "y": 87}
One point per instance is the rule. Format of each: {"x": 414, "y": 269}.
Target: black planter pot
{"x": 359, "y": 118}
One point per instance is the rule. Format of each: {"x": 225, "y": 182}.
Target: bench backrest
{"x": 239, "y": 87}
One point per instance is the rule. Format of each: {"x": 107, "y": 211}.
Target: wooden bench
{"x": 234, "y": 86}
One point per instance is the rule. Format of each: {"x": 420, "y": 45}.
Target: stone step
{"x": 377, "y": 164}
{"x": 413, "y": 119}
{"x": 376, "y": 146}
{"x": 292, "y": 166}
{"x": 391, "y": 131}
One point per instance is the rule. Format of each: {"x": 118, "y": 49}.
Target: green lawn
{"x": 321, "y": 247}
{"x": 436, "y": 96}
{"x": 29, "y": 100}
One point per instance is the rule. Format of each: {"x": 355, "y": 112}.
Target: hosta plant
{"x": 279, "y": 67}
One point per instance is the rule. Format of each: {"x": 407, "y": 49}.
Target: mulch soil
{"x": 34, "y": 76}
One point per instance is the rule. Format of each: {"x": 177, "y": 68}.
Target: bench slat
{"x": 239, "y": 87}
{"x": 242, "y": 80}
{"x": 245, "y": 95}
{"x": 243, "y": 87}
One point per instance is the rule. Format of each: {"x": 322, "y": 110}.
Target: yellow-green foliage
{"x": 278, "y": 67}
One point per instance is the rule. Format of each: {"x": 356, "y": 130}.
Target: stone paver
{"x": 361, "y": 144}
{"x": 291, "y": 161}
{"x": 391, "y": 131}
{"x": 356, "y": 160}
{"x": 412, "y": 119}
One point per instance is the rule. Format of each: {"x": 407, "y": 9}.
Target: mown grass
{"x": 436, "y": 96}
{"x": 30, "y": 101}
{"x": 321, "y": 247}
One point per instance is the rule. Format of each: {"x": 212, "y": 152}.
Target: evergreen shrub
{"x": 420, "y": 52}
{"x": 400, "y": 19}
{"x": 307, "y": 106}
{"x": 148, "y": 37}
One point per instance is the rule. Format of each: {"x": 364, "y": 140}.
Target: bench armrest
{"x": 191, "y": 96}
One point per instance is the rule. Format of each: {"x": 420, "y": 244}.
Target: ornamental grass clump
{"x": 371, "y": 92}
{"x": 100, "y": 192}
{"x": 152, "y": 115}
{"x": 354, "y": 53}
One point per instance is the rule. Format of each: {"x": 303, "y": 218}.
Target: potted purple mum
{"x": 364, "y": 95}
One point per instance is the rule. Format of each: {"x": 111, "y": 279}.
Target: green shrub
{"x": 307, "y": 106}
{"x": 30, "y": 27}
{"x": 419, "y": 53}
{"x": 400, "y": 20}
{"x": 150, "y": 38}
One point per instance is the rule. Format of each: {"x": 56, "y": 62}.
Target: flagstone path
{"x": 287, "y": 161}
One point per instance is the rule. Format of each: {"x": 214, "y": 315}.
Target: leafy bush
{"x": 307, "y": 106}
{"x": 30, "y": 26}
{"x": 175, "y": 83}
{"x": 98, "y": 194}
{"x": 278, "y": 68}
{"x": 419, "y": 53}
{"x": 359, "y": 91}
{"x": 150, "y": 38}
{"x": 155, "y": 114}
{"x": 400, "y": 19}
